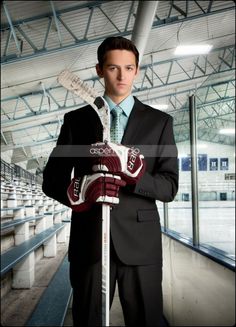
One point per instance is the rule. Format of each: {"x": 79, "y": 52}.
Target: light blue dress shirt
{"x": 126, "y": 105}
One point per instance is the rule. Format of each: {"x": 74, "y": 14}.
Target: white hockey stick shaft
{"x": 74, "y": 84}
{"x": 105, "y": 264}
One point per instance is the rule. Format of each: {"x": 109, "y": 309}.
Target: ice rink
{"x": 216, "y": 222}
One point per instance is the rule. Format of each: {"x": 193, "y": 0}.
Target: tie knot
{"x": 117, "y": 111}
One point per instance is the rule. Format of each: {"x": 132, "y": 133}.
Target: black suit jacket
{"x": 135, "y": 225}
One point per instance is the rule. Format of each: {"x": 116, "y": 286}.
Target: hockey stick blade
{"x": 73, "y": 83}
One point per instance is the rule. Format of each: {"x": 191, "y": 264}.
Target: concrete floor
{"x": 116, "y": 315}
{"x": 17, "y": 305}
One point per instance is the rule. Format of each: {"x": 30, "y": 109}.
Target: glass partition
{"x": 180, "y": 210}
{"x": 216, "y": 169}
{"x": 215, "y": 162}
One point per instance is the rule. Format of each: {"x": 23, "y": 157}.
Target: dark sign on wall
{"x": 224, "y": 164}
{"x": 202, "y": 162}
{"x": 186, "y": 163}
{"x": 213, "y": 163}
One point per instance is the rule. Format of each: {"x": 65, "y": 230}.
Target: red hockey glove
{"x": 118, "y": 159}
{"x": 96, "y": 188}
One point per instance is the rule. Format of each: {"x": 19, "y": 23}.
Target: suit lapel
{"x": 134, "y": 129}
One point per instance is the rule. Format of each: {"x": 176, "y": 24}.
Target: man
{"x": 130, "y": 183}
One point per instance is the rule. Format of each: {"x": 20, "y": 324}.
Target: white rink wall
{"x": 196, "y": 290}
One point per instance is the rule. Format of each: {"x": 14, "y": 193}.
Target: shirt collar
{"x": 126, "y": 105}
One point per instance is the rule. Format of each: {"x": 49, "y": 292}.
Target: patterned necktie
{"x": 116, "y": 128}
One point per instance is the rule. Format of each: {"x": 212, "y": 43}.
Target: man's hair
{"x": 116, "y": 43}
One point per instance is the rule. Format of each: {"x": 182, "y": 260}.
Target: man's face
{"x": 119, "y": 71}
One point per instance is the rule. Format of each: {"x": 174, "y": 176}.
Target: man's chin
{"x": 122, "y": 93}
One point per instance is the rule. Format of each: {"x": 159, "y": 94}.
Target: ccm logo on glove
{"x": 133, "y": 155}
{"x": 118, "y": 159}
{"x": 76, "y": 187}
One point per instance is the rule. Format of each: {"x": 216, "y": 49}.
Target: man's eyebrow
{"x": 128, "y": 65}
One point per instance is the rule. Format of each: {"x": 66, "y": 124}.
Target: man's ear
{"x": 99, "y": 71}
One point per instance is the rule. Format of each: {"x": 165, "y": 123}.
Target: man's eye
{"x": 130, "y": 68}
{"x": 112, "y": 68}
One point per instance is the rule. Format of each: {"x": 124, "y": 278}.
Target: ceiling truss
{"x": 20, "y": 41}
{"x": 31, "y": 120}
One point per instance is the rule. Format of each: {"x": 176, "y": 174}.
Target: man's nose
{"x": 121, "y": 75}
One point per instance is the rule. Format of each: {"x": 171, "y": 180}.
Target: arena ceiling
{"x": 41, "y": 38}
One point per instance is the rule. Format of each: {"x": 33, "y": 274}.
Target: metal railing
{"x": 9, "y": 172}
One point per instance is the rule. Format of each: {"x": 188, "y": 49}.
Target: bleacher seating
{"x": 10, "y": 258}
{"x": 29, "y": 221}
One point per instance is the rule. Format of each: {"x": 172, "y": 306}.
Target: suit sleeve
{"x": 162, "y": 183}
{"x": 57, "y": 172}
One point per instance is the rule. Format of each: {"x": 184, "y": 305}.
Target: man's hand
{"x": 84, "y": 192}
{"x": 118, "y": 159}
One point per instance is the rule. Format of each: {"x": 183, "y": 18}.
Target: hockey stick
{"x": 74, "y": 84}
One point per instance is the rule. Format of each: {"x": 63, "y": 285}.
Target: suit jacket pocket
{"x": 148, "y": 215}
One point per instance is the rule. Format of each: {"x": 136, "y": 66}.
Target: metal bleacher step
{"x": 14, "y": 255}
